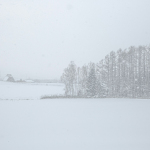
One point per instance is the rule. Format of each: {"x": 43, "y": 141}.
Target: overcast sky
{"x": 38, "y": 38}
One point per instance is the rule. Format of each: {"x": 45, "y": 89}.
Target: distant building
{"x": 29, "y": 81}
{"x": 9, "y": 78}
{"x": 19, "y": 80}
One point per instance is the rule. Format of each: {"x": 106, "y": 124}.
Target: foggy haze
{"x": 38, "y": 38}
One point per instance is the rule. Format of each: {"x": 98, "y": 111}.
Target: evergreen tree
{"x": 69, "y": 78}
{"x": 91, "y": 84}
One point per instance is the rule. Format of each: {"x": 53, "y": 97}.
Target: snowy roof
{"x": 8, "y": 77}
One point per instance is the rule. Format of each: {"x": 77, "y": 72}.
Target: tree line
{"x": 125, "y": 73}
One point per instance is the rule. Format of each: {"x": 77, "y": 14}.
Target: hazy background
{"x": 38, "y": 38}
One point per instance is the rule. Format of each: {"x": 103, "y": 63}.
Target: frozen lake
{"x": 26, "y": 91}
{"x": 70, "y": 124}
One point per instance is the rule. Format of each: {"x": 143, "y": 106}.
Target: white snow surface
{"x": 14, "y": 90}
{"x": 72, "y": 124}
{"x": 75, "y": 124}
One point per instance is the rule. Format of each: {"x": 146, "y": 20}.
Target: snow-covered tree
{"x": 91, "y": 83}
{"x": 125, "y": 73}
{"x": 69, "y": 78}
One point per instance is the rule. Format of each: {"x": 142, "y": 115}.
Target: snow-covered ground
{"x": 12, "y": 90}
{"x": 71, "y": 124}
{"x": 75, "y": 124}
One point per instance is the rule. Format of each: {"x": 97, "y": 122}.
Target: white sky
{"x": 38, "y": 38}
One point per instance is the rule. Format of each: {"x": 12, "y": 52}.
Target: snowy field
{"x": 28, "y": 91}
{"x": 70, "y": 124}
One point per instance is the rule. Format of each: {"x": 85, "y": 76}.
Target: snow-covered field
{"x": 26, "y": 91}
{"x": 71, "y": 124}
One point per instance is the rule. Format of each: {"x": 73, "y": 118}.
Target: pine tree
{"x": 83, "y": 79}
{"x": 112, "y": 74}
{"x": 69, "y": 78}
{"x": 106, "y": 75}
